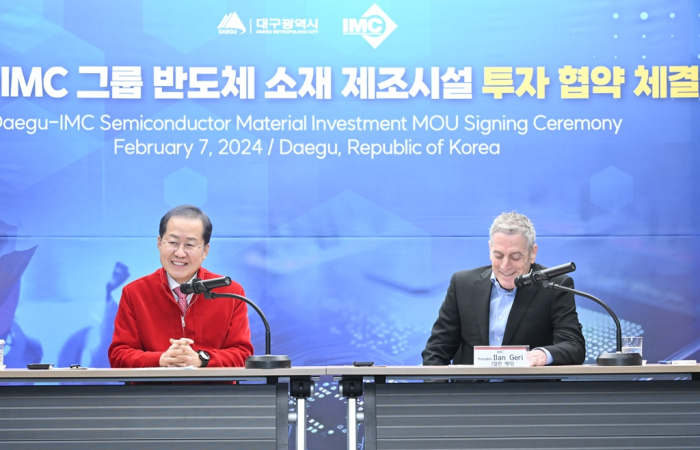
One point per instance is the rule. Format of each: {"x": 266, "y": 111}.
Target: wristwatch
{"x": 204, "y": 357}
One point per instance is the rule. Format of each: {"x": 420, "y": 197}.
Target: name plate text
{"x": 506, "y": 356}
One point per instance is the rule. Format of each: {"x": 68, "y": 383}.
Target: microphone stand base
{"x": 619, "y": 359}
{"x": 268, "y": 362}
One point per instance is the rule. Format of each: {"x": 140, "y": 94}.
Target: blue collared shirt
{"x": 499, "y": 310}
{"x": 501, "y": 303}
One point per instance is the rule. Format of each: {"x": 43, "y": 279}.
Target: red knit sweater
{"x": 149, "y": 316}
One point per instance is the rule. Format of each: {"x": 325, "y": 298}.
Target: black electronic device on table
{"x": 363, "y": 363}
{"x": 39, "y": 366}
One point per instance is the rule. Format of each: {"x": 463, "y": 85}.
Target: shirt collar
{"x": 498, "y": 287}
{"x": 174, "y": 284}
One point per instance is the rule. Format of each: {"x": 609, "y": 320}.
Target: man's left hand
{"x": 188, "y": 354}
{"x": 537, "y": 358}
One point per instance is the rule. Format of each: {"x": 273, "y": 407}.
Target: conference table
{"x": 155, "y": 408}
{"x": 404, "y": 407}
{"x": 552, "y": 407}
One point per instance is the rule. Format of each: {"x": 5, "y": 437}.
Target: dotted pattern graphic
{"x": 599, "y": 331}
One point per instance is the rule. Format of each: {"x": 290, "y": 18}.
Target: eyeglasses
{"x": 175, "y": 246}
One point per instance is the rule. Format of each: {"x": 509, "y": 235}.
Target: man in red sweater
{"x": 157, "y": 325}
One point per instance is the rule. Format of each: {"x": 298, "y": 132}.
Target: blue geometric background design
{"x": 367, "y": 243}
{"x": 349, "y": 256}
{"x": 26, "y": 152}
{"x": 611, "y": 189}
{"x": 182, "y": 24}
{"x": 185, "y": 186}
{"x": 23, "y": 29}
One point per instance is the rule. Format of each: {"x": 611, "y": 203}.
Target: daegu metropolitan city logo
{"x": 231, "y": 24}
{"x": 374, "y": 26}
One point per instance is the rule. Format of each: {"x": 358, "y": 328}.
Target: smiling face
{"x": 181, "y": 264}
{"x": 510, "y": 258}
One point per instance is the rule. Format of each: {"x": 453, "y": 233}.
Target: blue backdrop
{"x": 335, "y": 170}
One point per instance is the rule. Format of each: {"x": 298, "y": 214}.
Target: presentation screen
{"x": 351, "y": 156}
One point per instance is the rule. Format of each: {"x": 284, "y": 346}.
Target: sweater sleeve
{"x": 126, "y": 350}
{"x": 237, "y": 346}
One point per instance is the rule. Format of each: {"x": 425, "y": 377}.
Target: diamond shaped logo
{"x": 374, "y": 26}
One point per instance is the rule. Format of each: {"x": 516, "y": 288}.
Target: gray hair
{"x": 513, "y": 223}
{"x": 188, "y": 212}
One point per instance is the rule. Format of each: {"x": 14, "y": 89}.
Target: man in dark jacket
{"x": 483, "y": 307}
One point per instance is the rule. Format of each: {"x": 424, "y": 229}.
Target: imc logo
{"x": 231, "y": 24}
{"x": 374, "y": 26}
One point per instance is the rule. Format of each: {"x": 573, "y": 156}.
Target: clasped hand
{"x": 180, "y": 354}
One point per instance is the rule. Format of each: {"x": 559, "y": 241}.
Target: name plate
{"x": 506, "y": 356}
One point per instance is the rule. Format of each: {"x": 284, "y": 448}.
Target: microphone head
{"x": 561, "y": 269}
{"x": 533, "y": 277}
{"x": 188, "y": 288}
{"x": 523, "y": 280}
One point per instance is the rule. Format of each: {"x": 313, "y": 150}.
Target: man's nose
{"x": 181, "y": 251}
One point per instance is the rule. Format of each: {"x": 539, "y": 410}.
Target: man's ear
{"x": 533, "y": 254}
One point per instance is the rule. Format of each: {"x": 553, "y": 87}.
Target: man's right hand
{"x": 177, "y": 355}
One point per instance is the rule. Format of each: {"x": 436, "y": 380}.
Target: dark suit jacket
{"x": 539, "y": 318}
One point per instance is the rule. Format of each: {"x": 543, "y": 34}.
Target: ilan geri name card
{"x": 505, "y": 356}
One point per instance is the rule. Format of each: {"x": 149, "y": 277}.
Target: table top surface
{"x": 214, "y": 374}
{"x": 463, "y": 370}
{"x": 156, "y": 374}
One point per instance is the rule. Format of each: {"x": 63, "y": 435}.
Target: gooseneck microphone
{"x": 266, "y": 361}
{"x": 197, "y": 286}
{"x": 542, "y": 275}
{"x": 604, "y": 359}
